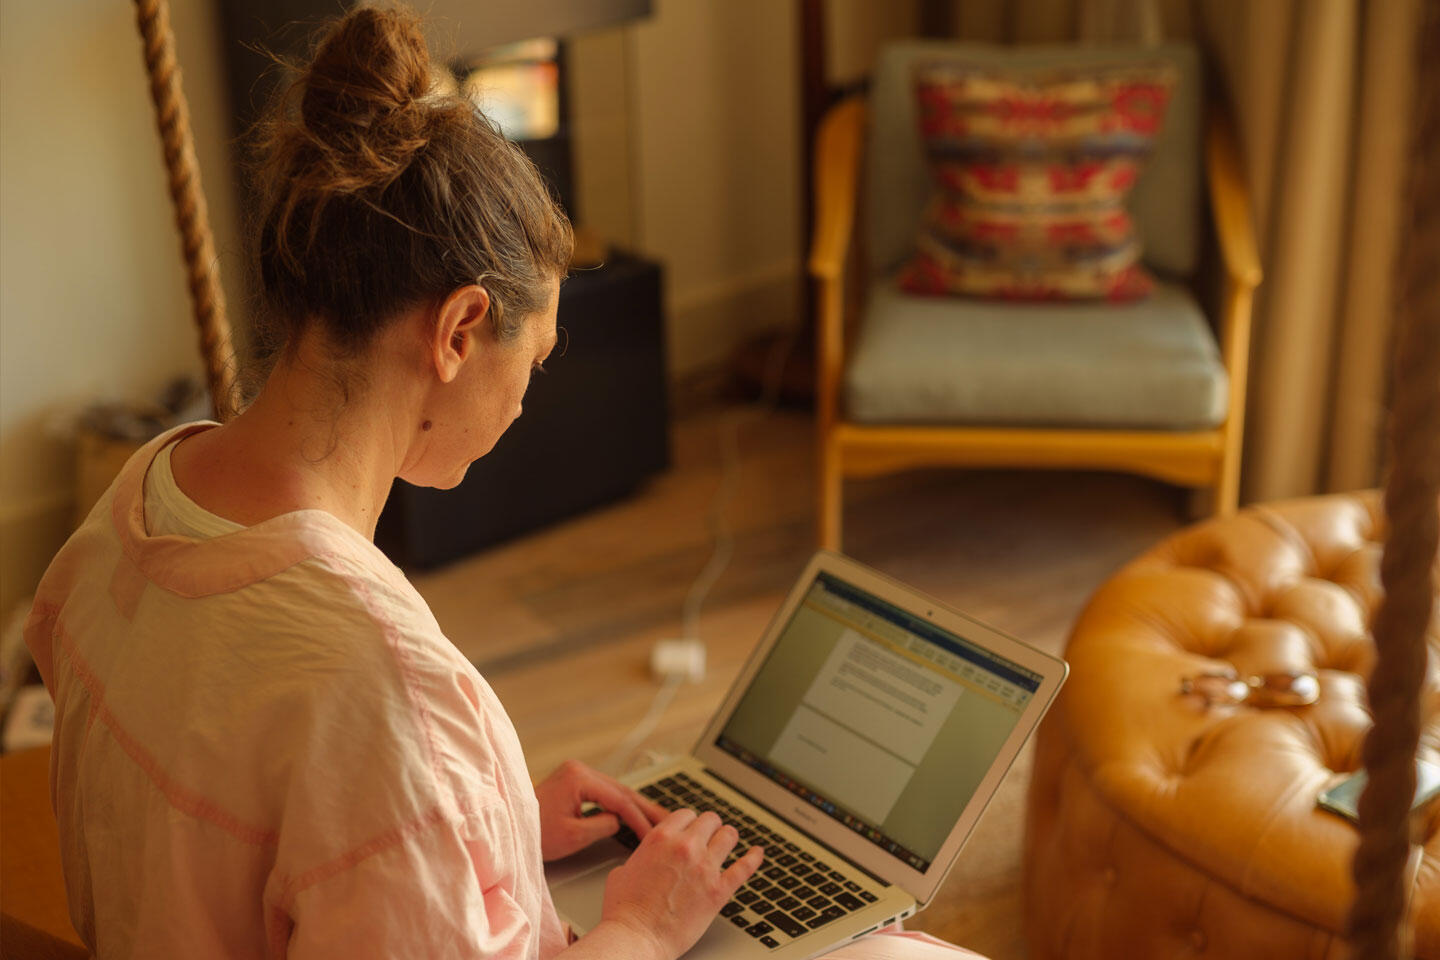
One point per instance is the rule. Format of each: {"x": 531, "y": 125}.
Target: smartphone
{"x": 1344, "y": 797}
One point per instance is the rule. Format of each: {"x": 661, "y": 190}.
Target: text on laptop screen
{"x": 878, "y": 718}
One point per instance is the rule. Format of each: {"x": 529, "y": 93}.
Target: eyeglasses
{"x": 1262, "y": 690}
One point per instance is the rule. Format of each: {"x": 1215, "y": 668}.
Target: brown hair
{"x": 379, "y": 191}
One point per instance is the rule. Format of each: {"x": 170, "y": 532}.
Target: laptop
{"x": 859, "y": 745}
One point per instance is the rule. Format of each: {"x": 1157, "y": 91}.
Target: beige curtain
{"x": 1320, "y": 92}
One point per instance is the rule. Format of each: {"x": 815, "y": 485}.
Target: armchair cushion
{"x": 1166, "y": 202}
{"x": 1149, "y": 365}
{"x": 1032, "y": 174}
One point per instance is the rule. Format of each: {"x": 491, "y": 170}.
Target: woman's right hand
{"x": 672, "y": 886}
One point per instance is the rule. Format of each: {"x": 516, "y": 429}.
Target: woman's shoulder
{"x": 371, "y": 690}
{"x": 355, "y": 607}
{"x": 391, "y": 688}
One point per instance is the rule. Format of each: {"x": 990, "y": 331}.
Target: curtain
{"x": 1320, "y": 93}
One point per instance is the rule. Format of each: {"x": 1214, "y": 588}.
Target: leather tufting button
{"x": 1110, "y": 876}
{"x": 1198, "y": 940}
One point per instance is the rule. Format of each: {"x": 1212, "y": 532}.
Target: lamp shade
{"x": 465, "y": 28}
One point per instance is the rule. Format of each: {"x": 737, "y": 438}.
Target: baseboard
{"x": 708, "y": 324}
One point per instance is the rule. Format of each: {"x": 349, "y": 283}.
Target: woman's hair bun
{"x": 366, "y": 80}
{"x": 378, "y": 190}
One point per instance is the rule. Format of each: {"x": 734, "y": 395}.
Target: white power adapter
{"x": 678, "y": 659}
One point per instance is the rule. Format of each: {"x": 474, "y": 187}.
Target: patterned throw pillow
{"x": 1032, "y": 174}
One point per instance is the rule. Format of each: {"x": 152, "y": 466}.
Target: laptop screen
{"x": 878, "y": 718}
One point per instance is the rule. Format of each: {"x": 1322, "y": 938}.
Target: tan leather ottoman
{"x": 1159, "y": 827}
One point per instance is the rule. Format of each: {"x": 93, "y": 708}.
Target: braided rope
{"x": 202, "y": 271}
{"x": 1378, "y": 927}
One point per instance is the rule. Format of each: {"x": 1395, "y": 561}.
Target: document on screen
{"x": 865, "y": 723}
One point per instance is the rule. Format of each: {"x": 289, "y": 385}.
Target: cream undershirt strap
{"x": 168, "y": 511}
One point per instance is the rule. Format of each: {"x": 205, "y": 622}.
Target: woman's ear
{"x": 458, "y": 323}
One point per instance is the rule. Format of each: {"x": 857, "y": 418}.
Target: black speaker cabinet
{"x": 594, "y": 428}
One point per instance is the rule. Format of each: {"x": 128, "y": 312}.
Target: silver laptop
{"x": 859, "y": 745}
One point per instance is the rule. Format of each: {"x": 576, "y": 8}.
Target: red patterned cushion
{"x": 1032, "y": 175}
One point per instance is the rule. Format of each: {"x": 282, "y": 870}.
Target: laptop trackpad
{"x": 577, "y": 885}
{"x": 585, "y": 870}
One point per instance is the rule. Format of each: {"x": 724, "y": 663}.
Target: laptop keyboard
{"x": 790, "y": 895}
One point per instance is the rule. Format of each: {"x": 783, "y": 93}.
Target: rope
{"x": 1377, "y": 920}
{"x": 202, "y": 271}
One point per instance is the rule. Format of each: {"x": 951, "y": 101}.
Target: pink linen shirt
{"x": 265, "y": 746}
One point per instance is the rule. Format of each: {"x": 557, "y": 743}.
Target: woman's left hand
{"x": 564, "y": 830}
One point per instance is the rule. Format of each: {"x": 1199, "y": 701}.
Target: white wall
{"x": 710, "y": 125}
{"x": 92, "y": 295}
{"x": 718, "y": 116}
{"x": 602, "y": 127}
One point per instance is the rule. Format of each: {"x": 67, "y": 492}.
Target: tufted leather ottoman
{"x": 1159, "y": 827}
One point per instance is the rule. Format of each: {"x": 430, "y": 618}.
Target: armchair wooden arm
{"x": 837, "y": 170}
{"x": 1235, "y": 232}
{"x": 1230, "y": 201}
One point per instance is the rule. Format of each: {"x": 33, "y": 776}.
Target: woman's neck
{"x": 302, "y": 445}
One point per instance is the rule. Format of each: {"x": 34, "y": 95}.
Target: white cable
{"x": 724, "y": 537}
{"x": 617, "y": 760}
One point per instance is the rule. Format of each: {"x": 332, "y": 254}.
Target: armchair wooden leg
{"x": 1227, "y": 490}
{"x": 830, "y": 494}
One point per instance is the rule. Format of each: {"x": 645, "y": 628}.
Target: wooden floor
{"x": 561, "y": 622}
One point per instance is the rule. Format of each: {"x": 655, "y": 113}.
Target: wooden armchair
{"x": 1203, "y": 456}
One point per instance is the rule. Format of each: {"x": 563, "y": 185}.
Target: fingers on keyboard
{"x": 741, "y": 870}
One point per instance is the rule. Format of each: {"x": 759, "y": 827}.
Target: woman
{"x": 264, "y": 744}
